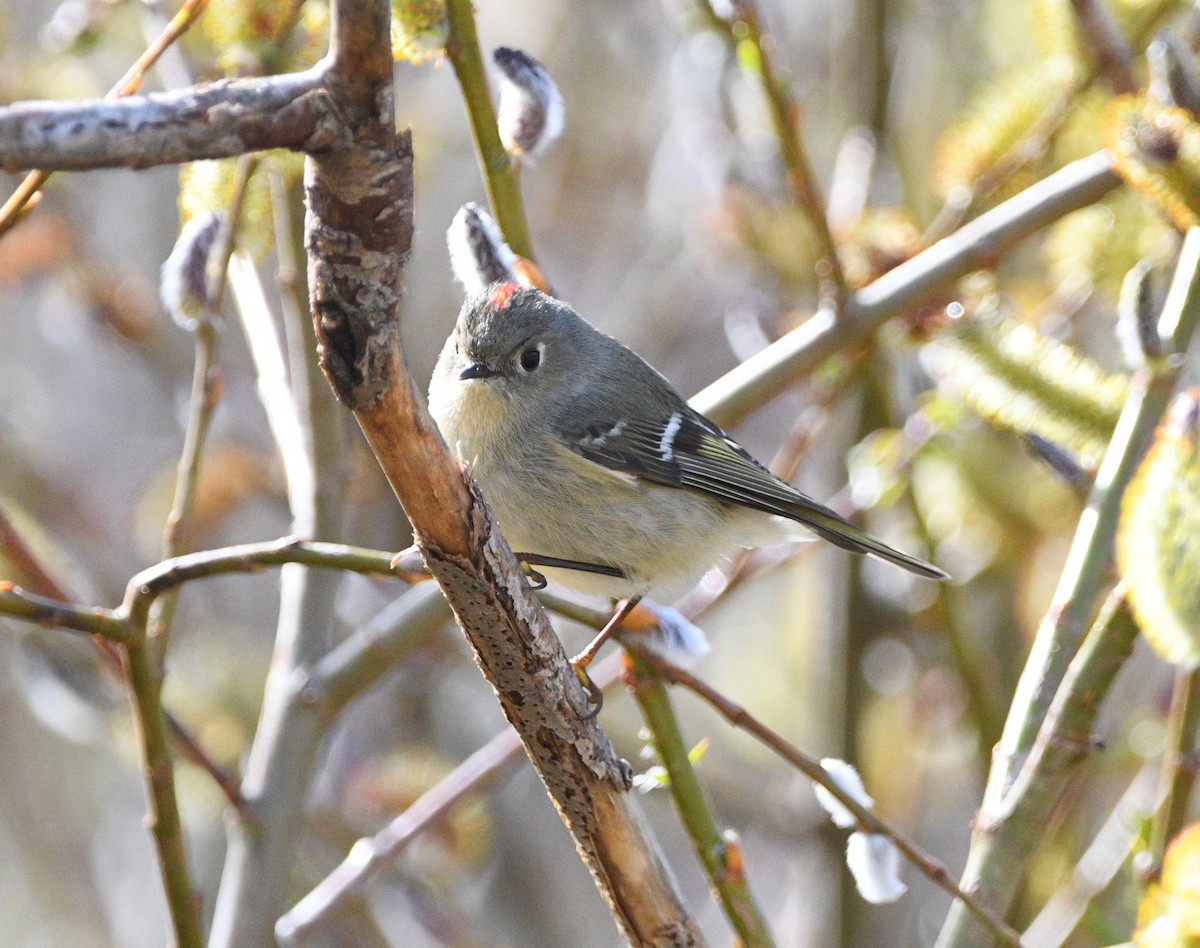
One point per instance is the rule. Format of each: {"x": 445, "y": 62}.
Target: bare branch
{"x": 373, "y": 854}
{"x": 719, "y": 852}
{"x": 19, "y": 604}
{"x": 739, "y": 717}
{"x": 1106, "y": 43}
{"x": 915, "y": 281}
{"x": 308, "y": 427}
{"x": 218, "y": 120}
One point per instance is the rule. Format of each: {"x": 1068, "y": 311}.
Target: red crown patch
{"x": 502, "y": 293}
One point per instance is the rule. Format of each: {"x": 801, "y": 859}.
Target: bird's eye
{"x": 531, "y": 358}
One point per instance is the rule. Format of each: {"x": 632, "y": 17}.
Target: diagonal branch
{"x": 914, "y": 282}
{"x": 812, "y": 768}
{"x": 719, "y": 852}
{"x": 358, "y": 231}
{"x": 1026, "y": 779}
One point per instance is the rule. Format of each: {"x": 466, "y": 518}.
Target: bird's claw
{"x": 595, "y": 695}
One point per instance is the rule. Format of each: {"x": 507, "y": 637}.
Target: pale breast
{"x": 551, "y": 501}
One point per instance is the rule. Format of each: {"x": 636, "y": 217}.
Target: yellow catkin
{"x": 1097, "y": 245}
{"x": 1000, "y": 115}
{"x": 1158, "y": 539}
{"x": 1169, "y": 916}
{"x": 209, "y": 186}
{"x": 1018, "y": 379}
{"x": 1156, "y": 150}
{"x": 418, "y": 29}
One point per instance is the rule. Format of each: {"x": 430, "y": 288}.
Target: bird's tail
{"x": 829, "y": 526}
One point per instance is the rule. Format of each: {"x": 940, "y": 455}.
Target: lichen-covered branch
{"x": 358, "y": 230}
{"x": 26, "y": 196}
{"x": 216, "y": 120}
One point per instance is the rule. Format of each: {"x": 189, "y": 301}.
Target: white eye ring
{"x": 532, "y": 357}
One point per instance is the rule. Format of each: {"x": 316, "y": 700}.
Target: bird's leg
{"x": 540, "y": 559}
{"x": 536, "y": 579}
{"x": 581, "y": 661}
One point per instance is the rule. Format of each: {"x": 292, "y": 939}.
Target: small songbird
{"x": 588, "y": 454}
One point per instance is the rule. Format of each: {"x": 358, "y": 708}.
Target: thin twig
{"x": 28, "y": 566}
{"x": 739, "y": 717}
{"x": 369, "y": 856}
{"x": 153, "y": 581}
{"x": 202, "y": 403}
{"x": 18, "y": 205}
{"x": 744, "y": 33}
{"x": 277, "y": 392}
{"x": 1178, "y": 764}
{"x": 719, "y": 854}
{"x": 501, "y": 172}
{"x": 226, "y": 780}
{"x": 53, "y": 613}
{"x": 289, "y": 280}
{"x": 1102, "y": 36}
{"x": 163, "y": 817}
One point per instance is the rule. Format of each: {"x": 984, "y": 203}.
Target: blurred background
{"x": 662, "y": 216}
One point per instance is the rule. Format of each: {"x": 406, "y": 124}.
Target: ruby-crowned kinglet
{"x": 586, "y": 453}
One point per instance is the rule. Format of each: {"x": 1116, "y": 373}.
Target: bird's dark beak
{"x": 478, "y": 370}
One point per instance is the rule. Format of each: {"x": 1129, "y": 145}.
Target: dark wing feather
{"x": 688, "y": 451}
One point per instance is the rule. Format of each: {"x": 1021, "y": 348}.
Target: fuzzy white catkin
{"x": 846, "y": 777}
{"x": 874, "y": 861}
{"x": 679, "y": 639}
{"x": 1137, "y": 323}
{"x": 183, "y": 283}
{"x": 531, "y": 113}
{"x": 479, "y": 256}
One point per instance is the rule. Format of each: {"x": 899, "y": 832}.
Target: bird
{"x": 588, "y": 456}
